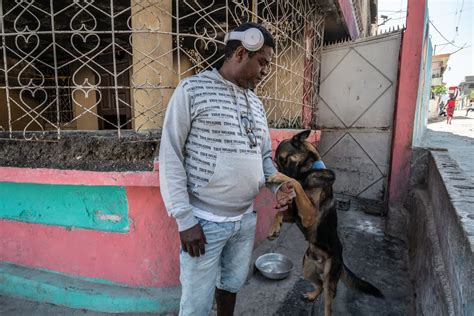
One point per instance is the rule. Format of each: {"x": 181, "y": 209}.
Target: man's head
{"x": 247, "y": 67}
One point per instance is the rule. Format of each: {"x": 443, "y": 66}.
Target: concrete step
{"x": 431, "y": 285}
{"x": 80, "y": 293}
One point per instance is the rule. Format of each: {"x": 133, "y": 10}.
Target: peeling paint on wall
{"x": 102, "y": 208}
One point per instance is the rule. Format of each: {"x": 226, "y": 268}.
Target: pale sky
{"x": 446, "y": 15}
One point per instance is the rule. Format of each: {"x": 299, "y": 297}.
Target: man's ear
{"x": 298, "y": 139}
{"x": 240, "y": 53}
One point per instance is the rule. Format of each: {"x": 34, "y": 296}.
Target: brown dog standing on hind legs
{"x": 314, "y": 212}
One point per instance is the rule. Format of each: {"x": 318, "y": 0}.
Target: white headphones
{"x": 252, "y": 38}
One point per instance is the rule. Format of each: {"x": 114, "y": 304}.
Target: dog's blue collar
{"x": 318, "y": 164}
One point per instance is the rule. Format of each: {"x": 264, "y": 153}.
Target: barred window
{"x": 92, "y": 65}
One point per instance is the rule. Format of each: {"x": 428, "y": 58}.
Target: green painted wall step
{"x": 84, "y": 293}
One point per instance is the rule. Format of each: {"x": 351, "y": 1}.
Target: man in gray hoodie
{"x": 215, "y": 155}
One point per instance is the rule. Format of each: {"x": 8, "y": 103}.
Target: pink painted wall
{"x": 146, "y": 256}
{"x": 406, "y": 101}
{"x": 56, "y": 176}
{"x": 349, "y": 17}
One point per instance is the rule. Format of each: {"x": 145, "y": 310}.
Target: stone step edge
{"x": 84, "y": 293}
{"x": 423, "y": 203}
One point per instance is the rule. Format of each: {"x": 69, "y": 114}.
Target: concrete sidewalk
{"x": 457, "y": 138}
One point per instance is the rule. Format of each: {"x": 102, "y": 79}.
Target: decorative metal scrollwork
{"x": 85, "y": 64}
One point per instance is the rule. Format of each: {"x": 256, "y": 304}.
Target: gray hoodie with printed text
{"x": 205, "y": 158}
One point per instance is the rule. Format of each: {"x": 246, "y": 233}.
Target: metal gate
{"x": 356, "y": 105}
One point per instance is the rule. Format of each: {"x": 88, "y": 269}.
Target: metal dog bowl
{"x": 274, "y": 265}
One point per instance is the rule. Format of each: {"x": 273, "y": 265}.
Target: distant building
{"x": 439, "y": 63}
{"x": 466, "y": 89}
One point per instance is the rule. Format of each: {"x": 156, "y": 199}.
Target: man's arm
{"x": 284, "y": 191}
{"x": 173, "y": 178}
{"x": 268, "y": 166}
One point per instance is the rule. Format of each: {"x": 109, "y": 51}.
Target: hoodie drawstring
{"x": 239, "y": 113}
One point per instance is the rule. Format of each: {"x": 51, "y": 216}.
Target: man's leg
{"x": 235, "y": 262}
{"x": 225, "y": 302}
{"x": 198, "y": 274}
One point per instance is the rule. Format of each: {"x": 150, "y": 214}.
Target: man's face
{"x": 253, "y": 69}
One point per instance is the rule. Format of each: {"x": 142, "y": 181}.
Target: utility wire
{"x": 459, "y": 49}
{"x": 459, "y": 20}
{"x": 450, "y": 42}
{"x": 394, "y": 11}
{"x": 393, "y": 19}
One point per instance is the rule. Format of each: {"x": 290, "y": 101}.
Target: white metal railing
{"x": 91, "y": 65}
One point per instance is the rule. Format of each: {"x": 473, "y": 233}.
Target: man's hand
{"x": 193, "y": 241}
{"x": 284, "y": 196}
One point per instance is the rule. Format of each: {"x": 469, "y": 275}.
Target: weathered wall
{"x": 138, "y": 253}
{"x": 441, "y": 236}
{"x": 348, "y": 13}
{"x": 427, "y": 269}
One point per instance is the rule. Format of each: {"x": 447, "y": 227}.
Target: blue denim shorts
{"x": 225, "y": 264}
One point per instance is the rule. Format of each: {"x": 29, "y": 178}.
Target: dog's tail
{"x": 354, "y": 282}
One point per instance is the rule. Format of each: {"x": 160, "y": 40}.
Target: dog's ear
{"x": 298, "y": 139}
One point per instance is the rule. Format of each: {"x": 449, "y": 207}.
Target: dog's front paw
{"x": 279, "y": 178}
{"x": 273, "y": 235}
{"x": 311, "y": 296}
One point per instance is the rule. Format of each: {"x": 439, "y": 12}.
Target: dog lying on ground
{"x": 314, "y": 212}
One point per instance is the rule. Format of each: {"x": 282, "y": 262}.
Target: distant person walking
{"x": 470, "y": 108}
{"x": 450, "y": 105}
